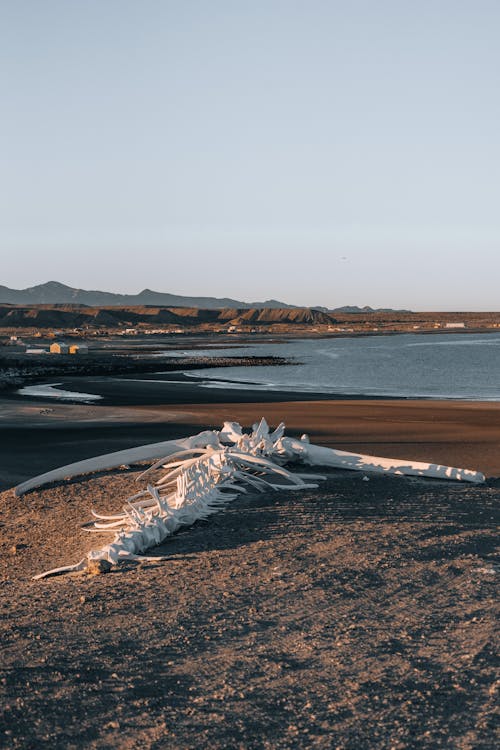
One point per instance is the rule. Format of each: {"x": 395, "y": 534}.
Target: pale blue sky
{"x": 318, "y": 152}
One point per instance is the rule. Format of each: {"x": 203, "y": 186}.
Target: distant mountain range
{"x": 55, "y": 293}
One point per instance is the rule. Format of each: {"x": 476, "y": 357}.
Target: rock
{"x": 18, "y": 548}
{"x": 97, "y": 567}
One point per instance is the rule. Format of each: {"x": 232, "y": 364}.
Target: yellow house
{"x": 58, "y": 347}
{"x": 78, "y": 349}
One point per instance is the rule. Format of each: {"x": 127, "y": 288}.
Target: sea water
{"x": 50, "y": 390}
{"x": 443, "y": 365}
{"x": 457, "y": 366}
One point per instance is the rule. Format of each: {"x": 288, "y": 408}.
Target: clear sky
{"x": 320, "y": 152}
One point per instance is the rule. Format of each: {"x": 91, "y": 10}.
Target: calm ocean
{"x": 458, "y": 366}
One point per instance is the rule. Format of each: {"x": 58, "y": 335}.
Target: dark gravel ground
{"x": 360, "y": 615}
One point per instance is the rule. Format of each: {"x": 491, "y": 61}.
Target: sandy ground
{"x": 358, "y": 615}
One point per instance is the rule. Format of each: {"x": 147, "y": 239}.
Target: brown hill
{"x": 78, "y": 316}
{"x": 66, "y": 316}
{"x": 296, "y": 316}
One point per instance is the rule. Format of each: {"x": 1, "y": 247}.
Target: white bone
{"x": 118, "y": 458}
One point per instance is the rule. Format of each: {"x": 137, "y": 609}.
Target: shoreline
{"x": 171, "y": 387}
{"x": 146, "y": 405}
{"x": 16, "y": 370}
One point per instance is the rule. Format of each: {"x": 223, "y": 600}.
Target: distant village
{"x": 48, "y": 331}
{"x": 57, "y": 347}
{"x": 77, "y": 345}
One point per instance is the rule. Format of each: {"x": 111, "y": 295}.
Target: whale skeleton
{"x": 207, "y": 471}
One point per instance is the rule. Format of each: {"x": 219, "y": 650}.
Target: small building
{"x": 58, "y": 347}
{"x": 36, "y": 351}
{"x": 78, "y": 349}
{"x": 455, "y": 325}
